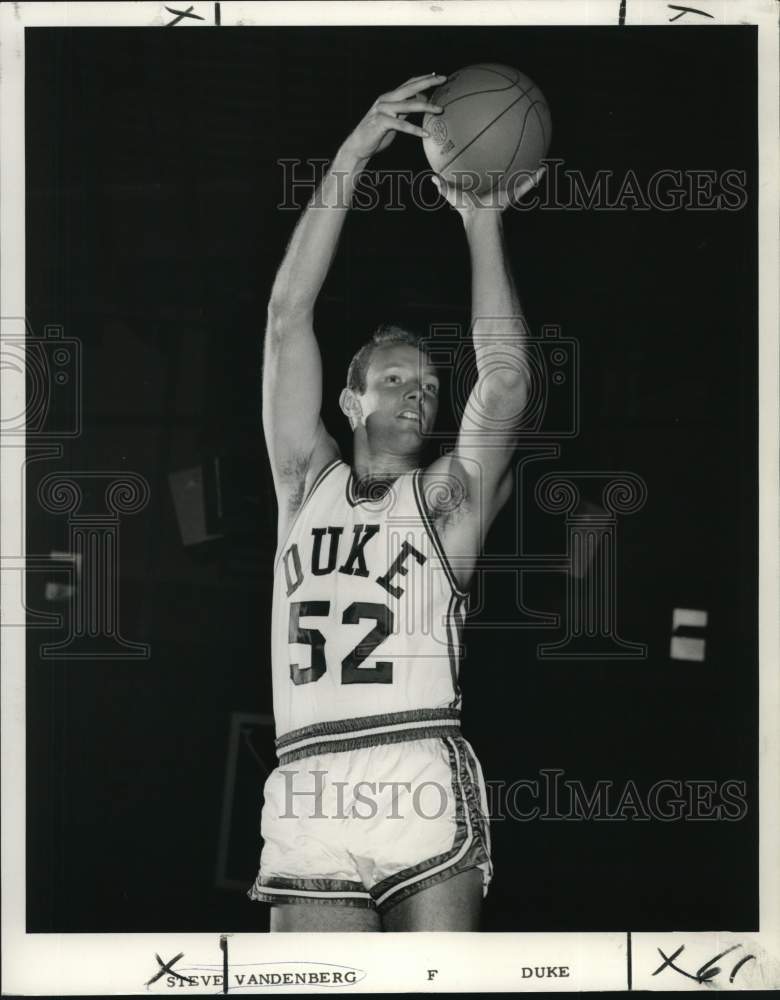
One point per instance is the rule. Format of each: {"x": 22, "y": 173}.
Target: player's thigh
{"x": 452, "y": 905}
{"x": 301, "y": 917}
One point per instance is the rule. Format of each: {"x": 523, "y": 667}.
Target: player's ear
{"x": 350, "y": 407}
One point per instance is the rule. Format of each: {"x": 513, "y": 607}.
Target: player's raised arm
{"x": 494, "y": 409}
{"x": 298, "y": 444}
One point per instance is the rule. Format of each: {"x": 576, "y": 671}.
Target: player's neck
{"x": 380, "y": 466}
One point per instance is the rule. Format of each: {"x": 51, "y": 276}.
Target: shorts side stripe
{"x": 482, "y": 817}
{"x": 464, "y": 838}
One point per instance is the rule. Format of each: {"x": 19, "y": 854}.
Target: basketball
{"x": 495, "y": 125}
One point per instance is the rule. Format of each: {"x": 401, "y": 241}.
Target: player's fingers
{"x": 422, "y": 78}
{"x": 407, "y": 107}
{"x": 401, "y": 126}
{"x": 414, "y": 86}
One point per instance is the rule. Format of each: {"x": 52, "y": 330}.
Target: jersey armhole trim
{"x": 324, "y": 471}
{"x": 433, "y": 533}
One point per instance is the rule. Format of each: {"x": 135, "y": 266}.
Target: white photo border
{"x": 123, "y": 964}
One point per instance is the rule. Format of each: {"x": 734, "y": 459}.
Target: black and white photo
{"x": 389, "y": 468}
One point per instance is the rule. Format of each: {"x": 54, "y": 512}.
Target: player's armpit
{"x": 293, "y": 482}
{"x": 463, "y": 507}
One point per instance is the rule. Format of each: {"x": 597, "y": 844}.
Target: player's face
{"x": 402, "y": 393}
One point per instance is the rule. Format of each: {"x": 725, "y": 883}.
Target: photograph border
{"x": 122, "y": 964}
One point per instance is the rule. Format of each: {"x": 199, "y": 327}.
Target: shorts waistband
{"x": 370, "y": 730}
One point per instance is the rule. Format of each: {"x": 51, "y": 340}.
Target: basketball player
{"x": 376, "y": 817}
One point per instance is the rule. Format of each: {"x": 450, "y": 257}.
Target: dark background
{"x": 153, "y": 237}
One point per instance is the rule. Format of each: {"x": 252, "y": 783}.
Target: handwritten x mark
{"x": 686, "y": 10}
{"x": 167, "y": 967}
{"x": 181, "y": 15}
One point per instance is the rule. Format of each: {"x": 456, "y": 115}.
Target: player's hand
{"x": 499, "y": 198}
{"x": 387, "y": 115}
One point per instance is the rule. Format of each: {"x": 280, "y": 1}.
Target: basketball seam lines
{"x": 523, "y": 93}
{"x": 473, "y": 93}
{"x": 489, "y": 69}
{"x": 472, "y": 141}
{"x": 522, "y": 133}
{"x": 541, "y": 123}
{"x": 534, "y": 106}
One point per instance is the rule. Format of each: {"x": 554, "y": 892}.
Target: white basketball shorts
{"x": 371, "y": 826}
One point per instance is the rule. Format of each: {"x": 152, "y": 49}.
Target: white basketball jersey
{"x": 367, "y": 616}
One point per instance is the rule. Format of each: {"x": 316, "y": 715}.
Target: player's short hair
{"x": 386, "y": 333}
